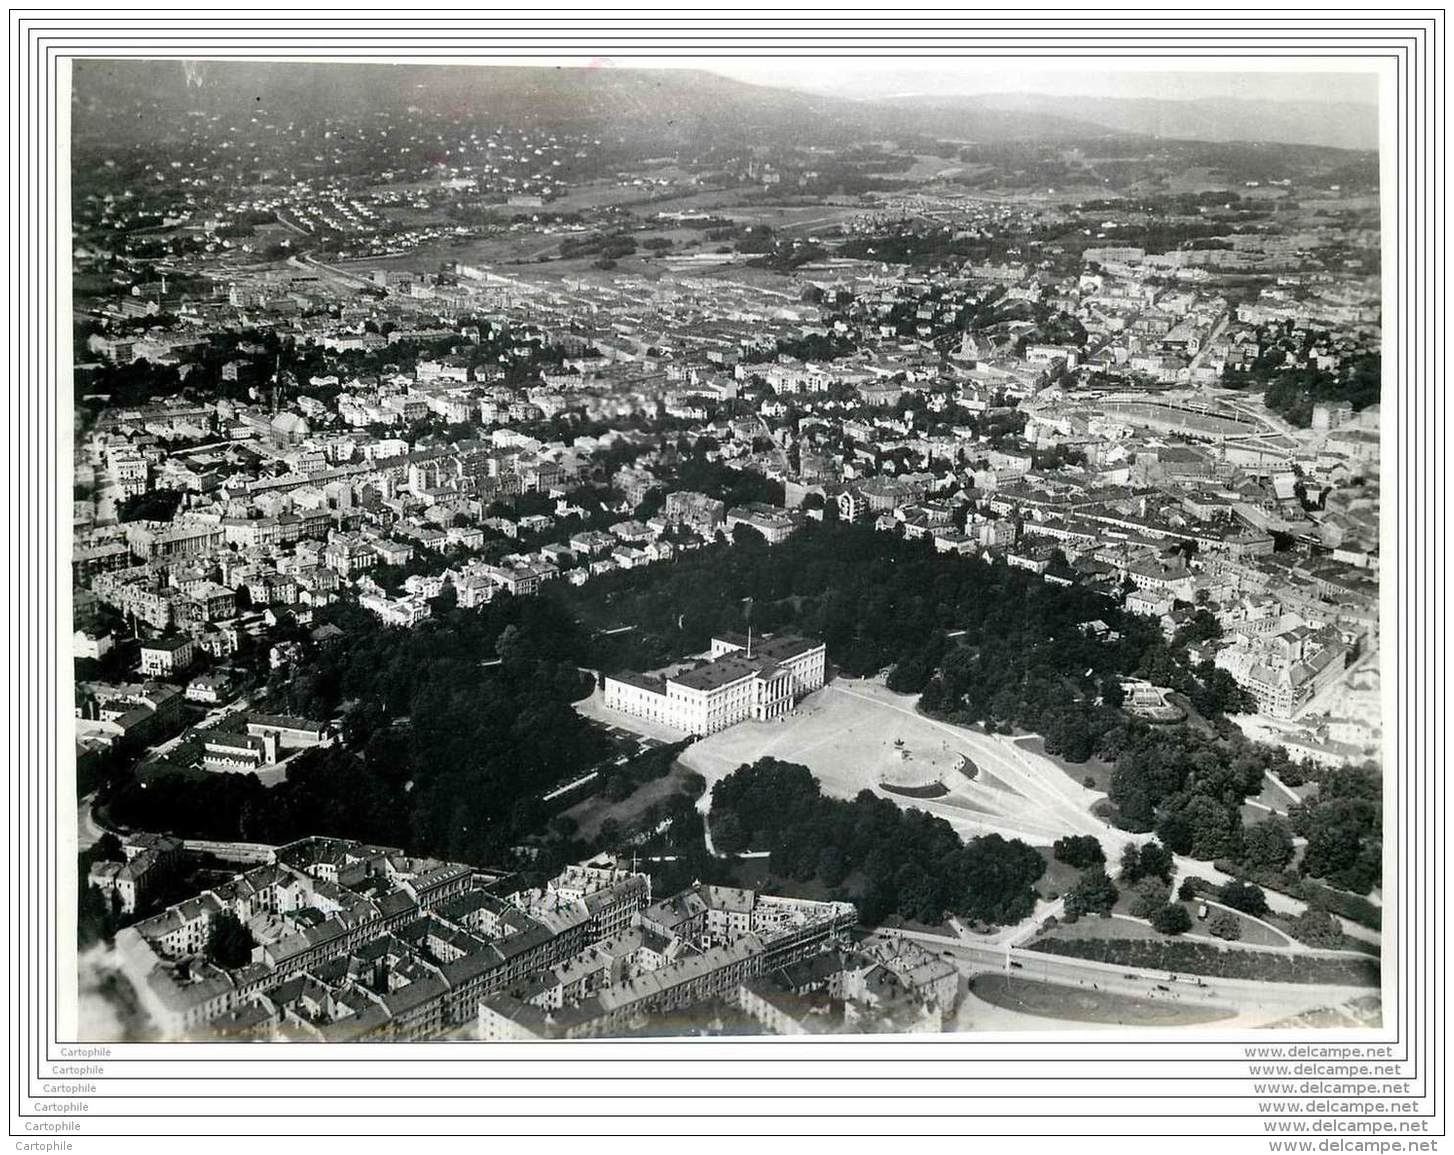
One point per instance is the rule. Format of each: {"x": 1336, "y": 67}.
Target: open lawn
{"x": 1093, "y": 926}
{"x": 1093, "y": 768}
{"x": 590, "y": 813}
{"x": 1058, "y": 877}
{"x": 1279, "y": 798}
{"x": 1255, "y": 932}
{"x": 1075, "y": 1004}
{"x": 1123, "y": 926}
{"x": 1347, "y": 942}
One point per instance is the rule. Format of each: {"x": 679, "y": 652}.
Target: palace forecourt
{"x": 743, "y": 677}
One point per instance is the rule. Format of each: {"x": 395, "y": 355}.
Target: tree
{"x": 1317, "y": 928}
{"x": 909, "y": 675}
{"x": 1067, "y": 734}
{"x": 1157, "y": 861}
{"x": 1342, "y": 829}
{"x": 1225, "y": 924}
{"x": 1172, "y": 919}
{"x": 1150, "y": 896}
{"x": 156, "y": 505}
{"x": 1174, "y": 832}
{"x": 748, "y": 537}
{"x": 728, "y": 833}
{"x": 619, "y": 787}
{"x": 1267, "y": 845}
{"x": 1151, "y": 860}
{"x": 1216, "y": 827}
{"x": 693, "y": 785}
{"x": 507, "y": 646}
{"x": 229, "y": 942}
{"x": 902, "y": 862}
{"x": 96, "y": 916}
{"x": 1079, "y": 850}
{"x": 1092, "y": 893}
{"x": 832, "y": 866}
{"x": 108, "y": 849}
{"x": 1244, "y": 896}
{"x": 1112, "y": 695}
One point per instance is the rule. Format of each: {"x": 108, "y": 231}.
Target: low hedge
{"x": 1201, "y": 958}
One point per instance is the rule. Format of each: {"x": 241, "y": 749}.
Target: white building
{"x": 761, "y": 679}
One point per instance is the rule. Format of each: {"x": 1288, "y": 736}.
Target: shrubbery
{"x": 1192, "y": 957}
{"x": 1225, "y": 924}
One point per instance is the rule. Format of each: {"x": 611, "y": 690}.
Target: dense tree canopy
{"x": 229, "y": 942}
{"x": 453, "y": 730}
{"x": 886, "y": 859}
{"x": 1018, "y": 656}
{"x": 1344, "y": 828}
{"x": 440, "y": 752}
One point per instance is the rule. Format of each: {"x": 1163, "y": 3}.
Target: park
{"x": 855, "y": 735}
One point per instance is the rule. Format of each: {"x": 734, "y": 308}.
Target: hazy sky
{"x": 1248, "y": 78}
{"x": 1274, "y": 80}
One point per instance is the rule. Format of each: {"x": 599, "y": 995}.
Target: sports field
{"x": 1170, "y": 417}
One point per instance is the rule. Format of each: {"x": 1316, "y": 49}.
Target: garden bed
{"x": 929, "y": 790}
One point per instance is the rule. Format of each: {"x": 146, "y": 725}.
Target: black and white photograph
{"x": 725, "y": 547}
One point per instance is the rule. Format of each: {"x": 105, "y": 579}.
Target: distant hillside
{"x": 128, "y": 101}
{"x": 633, "y": 105}
{"x": 1332, "y": 125}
